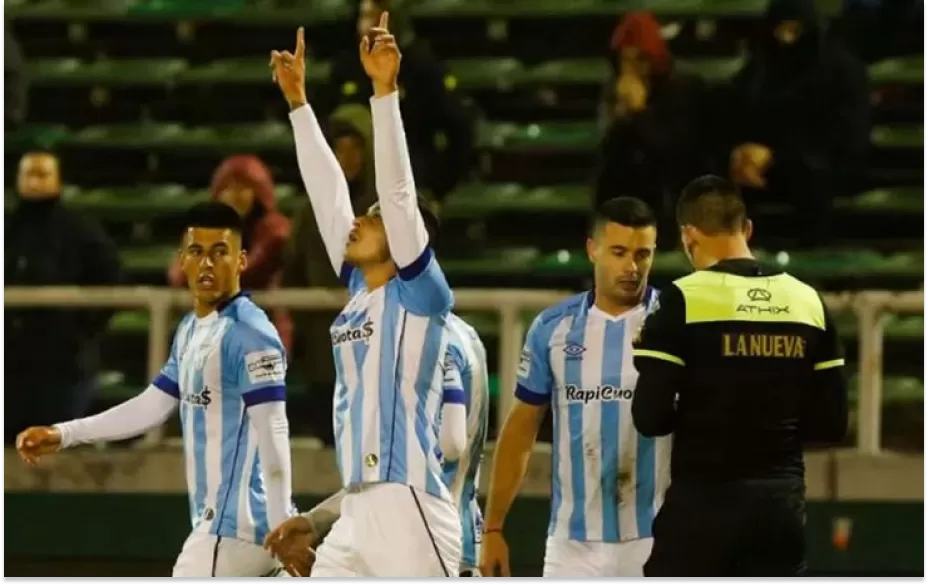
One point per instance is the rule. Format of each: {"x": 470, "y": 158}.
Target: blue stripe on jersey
{"x": 199, "y": 447}
{"x": 233, "y": 463}
{"x": 424, "y": 382}
{"x": 573, "y": 374}
{"x": 390, "y": 378}
{"x": 644, "y": 490}
{"x": 614, "y": 350}
{"x": 258, "y": 501}
{"x": 359, "y": 351}
{"x": 556, "y": 489}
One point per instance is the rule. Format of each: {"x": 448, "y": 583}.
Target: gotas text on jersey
{"x": 604, "y": 392}
{"x": 350, "y": 334}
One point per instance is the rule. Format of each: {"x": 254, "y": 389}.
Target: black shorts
{"x": 747, "y": 529}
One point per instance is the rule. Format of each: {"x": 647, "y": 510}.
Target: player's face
{"x": 239, "y": 197}
{"x": 622, "y": 257}
{"x": 213, "y": 261}
{"x": 368, "y": 16}
{"x": 367, "y": 241}
{"x": 350, "y": 155}
{"x": 38, "y": 176}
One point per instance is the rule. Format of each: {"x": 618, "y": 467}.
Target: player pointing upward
{"x": 607, "y": 480}
{"x": 226, "y": 370}
{"x": 389, "y": 341}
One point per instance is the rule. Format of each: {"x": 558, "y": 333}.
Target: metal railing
{"x": 871, "y": 308}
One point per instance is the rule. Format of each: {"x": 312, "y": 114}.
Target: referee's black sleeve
{"x": 660, "y": 361}
{"x": 823, "y": 414}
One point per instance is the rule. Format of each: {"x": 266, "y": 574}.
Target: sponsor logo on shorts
{"x": 265, "y": 366}
{"x": 603, "y": 393}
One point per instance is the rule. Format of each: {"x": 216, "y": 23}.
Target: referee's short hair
{"x": 214, "y": 215}
{"x": 713, "y": 205}
{"x": 628, "y": 211}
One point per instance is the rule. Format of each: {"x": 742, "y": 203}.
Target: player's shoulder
{"x": 249, "y": 324}
{"x": 569, "y": 307}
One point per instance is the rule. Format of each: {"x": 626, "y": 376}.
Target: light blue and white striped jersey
{"x": 466, "y": 372}
{"x": 389, "y": 346}
{"x": 219, "y": 365}
{"x": 607, "y": 480}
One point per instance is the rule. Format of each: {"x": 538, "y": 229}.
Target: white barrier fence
{"x": 871, "y": 307}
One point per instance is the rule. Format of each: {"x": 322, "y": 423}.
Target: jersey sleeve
{"x": 829, "y": 352}
{"x": 168, "y": 379}
{"x": 534, "y": 381}
{"x": 662, "y": 335}
{"x": 423, "y": 288}
{"x": 453, "y": 382}
{"x": 257, "y": 365}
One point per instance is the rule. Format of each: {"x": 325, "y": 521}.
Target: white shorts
{"x": 208, "y": 555}
{"x": 391, "y": 530}
{"x": 571, "y": 558}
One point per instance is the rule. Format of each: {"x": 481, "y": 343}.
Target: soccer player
{"x": 226, "y": 372}
{"x": 743, "y": 364}
{"x": 607, "y": 480}
{"x": 463, "y": 437}
{"x": 389, "y": 342}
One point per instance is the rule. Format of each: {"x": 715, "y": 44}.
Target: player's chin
{"x": 208, "y": 295}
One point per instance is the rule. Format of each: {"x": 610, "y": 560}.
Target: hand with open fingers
{"x": 380, "y": 56}
{"x": 292, "y": 544}
{"x": 288, "y": 70}
{"x": 35, "y": 442}
{"x": 494, "y": 555}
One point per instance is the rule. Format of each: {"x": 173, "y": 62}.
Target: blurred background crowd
{"x": 520, "y": 115}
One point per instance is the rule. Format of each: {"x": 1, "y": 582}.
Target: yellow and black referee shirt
{"x": 743, "y": 365}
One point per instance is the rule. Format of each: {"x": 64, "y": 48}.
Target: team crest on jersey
{"x": 573, "y": 351}
{"x": 265, "y": 366}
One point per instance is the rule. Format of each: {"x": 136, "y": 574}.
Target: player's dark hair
{"x": 216, "y": 215}
{"x": 713, "y": 205}
{"x": 628, "y": 211}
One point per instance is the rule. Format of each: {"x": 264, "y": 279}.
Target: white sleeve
{"x": 131, "y": 418}
{"x": 453, "y": 434}
{"x": 325, "y": 514}
{"x": 396, "y": 188}
{"x": 325, "y": 183}
{"x": 273, "y": 431}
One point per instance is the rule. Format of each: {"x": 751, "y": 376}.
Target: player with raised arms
{"x": 226, "y": 371}
{"x": 607, "y": 480}
{"x": 389, "y": 342}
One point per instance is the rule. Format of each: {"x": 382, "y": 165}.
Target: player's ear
{"x": 242, "y": 261}
{"x": 748, "y": 230}
{"x": 592, "y": 249}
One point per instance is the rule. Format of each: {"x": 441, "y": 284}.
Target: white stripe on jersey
{"x": 608, "y": 481}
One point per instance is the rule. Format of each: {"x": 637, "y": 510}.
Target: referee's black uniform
{"x": 743, "y": 365}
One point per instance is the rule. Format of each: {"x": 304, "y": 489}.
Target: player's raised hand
{"x": 288, "y": 70}
{"x": 380, "y": 56}
{"x": 35, "y": 442}
{"x": 292, "y": 544}
{"x": 494, "y": 555}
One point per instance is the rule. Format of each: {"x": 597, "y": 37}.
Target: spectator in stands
{"x": 52, "y": 356}
{"x": 14, "y": 79}
{"x": 797, "y": 117}
{"x": 350, "y": 132}
{"x": 439, "y": 128}
{"x": 244, "y": 183}
{"x": 650, "y": 115}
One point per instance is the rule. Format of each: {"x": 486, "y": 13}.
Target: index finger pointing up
{"x": 300, "y": 44}
{"x": 384, "y": 20}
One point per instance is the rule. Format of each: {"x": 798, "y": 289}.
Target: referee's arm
{"x": 660, "y": 363}
{"x": 823, "y": 415}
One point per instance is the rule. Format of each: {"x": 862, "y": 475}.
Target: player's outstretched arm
{"x": 322, "y": 176}
{"x": 453, "y": 433}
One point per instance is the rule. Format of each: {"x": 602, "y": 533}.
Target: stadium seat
{"x": 714, "y": 70}
{"x": 246, "y": 71}
{"x": 898, "y": 71}
{"x": 551, "y": 136}
{"x": 898, "y": 200}
{"x": 107, "y": 73}
{"x": 897, "y": 137}
{"x": 570, "y": 72}
{"x": 490, "y": 73}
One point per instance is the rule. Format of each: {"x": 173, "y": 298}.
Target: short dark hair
{"x": 214, "y": 214}
{"x": 713, "y": 205}
{"x": 627, "y": 211}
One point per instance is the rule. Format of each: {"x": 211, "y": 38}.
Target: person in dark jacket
{"x": 14, "y": 78}
{"x": 306, "y": 264}
{"x": 439, "y": 128}
{"x": 52, "y": 356}
{"x": 245, "y": 183}
{"x": 650, "y": 116}
{"x": 797, "y": 117}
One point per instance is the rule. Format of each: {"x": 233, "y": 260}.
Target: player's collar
{"x": 228, "y": 302}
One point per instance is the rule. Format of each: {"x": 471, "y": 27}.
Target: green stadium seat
{"x": 551, "y": 136}
{"x": 152, "y": 259}
{"x": 478, "y": 200}
{"x": 159, "y": 136}
{"x": 570, "y": 72}
{"x": 716, "y": 70}
{"x": 110, "y": 73}
{"x": 536, "y": 8}
{"x": 897, "y": 137}
{"x": 63, "y": 10}
{"x": 899, "y": 71}
{"x": 246, "y": 71}
{"x": 35, "y": 136}
{"x": 564, "y": 263}
{"x": 896, "y": 200}
{"x": 139, "y": 203}
{"x": 512, "y": 261}
{"x": 491, "y": 73}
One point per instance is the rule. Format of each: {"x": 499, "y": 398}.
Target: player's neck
{"x": 202, "y": 308}
{"x": 724, "y": 249}
{"x": 377, "y": 275}
{"x": 611, "y": 307}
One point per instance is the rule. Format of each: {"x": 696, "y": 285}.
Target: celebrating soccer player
{"x": 389, "y": 342}
{"x": 607, "y": 480}
{"x": 226, "y": 370}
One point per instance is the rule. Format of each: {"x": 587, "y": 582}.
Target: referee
{"x": 742, "y": 364}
